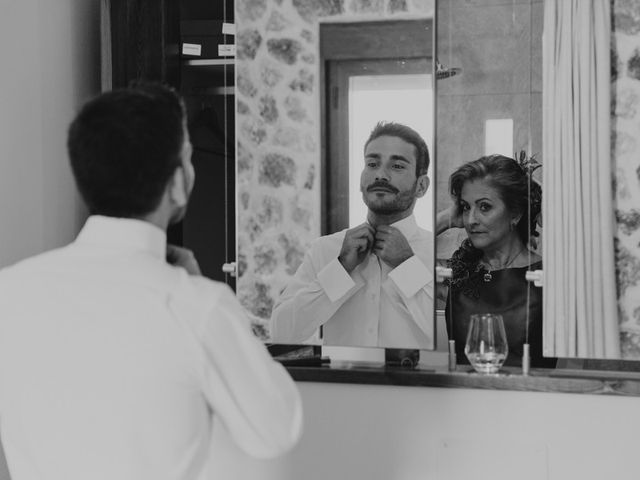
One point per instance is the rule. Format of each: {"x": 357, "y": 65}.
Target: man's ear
{"x": 422, "y": 185}
{"x": 177, "y": 191}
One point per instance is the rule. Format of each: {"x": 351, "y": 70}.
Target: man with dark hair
{"x": 370, "y": 285}
{"x": 113, "y": 362}
{"x": 125, "y": 146}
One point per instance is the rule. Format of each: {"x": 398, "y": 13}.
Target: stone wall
{"x": 625, "y": 113}
{"x": 278, "y": 130}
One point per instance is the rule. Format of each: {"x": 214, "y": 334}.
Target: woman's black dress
{"x": 504, "y": 294}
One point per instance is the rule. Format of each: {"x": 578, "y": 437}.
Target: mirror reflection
{"x": 498, "y": 204}
{"x": 293, "y": 133}
{"x": 309, "y": 173}
{"x": 489, "y": 197}
{"x": 370, "y": 285}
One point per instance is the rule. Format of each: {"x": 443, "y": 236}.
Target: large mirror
{"x": 313, "y": 81}
{"x": 305, "y": 68}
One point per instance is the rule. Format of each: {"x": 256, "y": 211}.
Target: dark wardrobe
{"x": 188, "y": 44}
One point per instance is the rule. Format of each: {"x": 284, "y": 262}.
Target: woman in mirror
{"x": 498, "y": 205}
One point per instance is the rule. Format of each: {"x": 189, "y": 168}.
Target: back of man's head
{"x": 124, "y": 146}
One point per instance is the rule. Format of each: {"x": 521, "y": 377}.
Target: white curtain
{"x": 580, "y": 308}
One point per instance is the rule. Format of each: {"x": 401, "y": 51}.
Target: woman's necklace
{"x": 487, "y": 276}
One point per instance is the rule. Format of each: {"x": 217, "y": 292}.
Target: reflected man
{"x": 371, "y": 285}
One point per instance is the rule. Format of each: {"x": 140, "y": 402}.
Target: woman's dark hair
{"x": 520, "y": 193}
{"x": 124, "y": 145}
{"x": 407, "y": 134}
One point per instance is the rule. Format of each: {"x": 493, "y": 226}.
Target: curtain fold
{"x": 580, "y": 308}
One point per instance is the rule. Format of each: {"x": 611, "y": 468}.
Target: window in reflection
{"x": 498, "y": 136}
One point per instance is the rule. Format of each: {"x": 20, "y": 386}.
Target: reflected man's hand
{"x": 356, "y": 246}
{"x": 391, "y": 246}
{"x": 183, "y": 257}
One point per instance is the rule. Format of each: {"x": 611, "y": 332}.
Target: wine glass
{"x": 486, "y": 346}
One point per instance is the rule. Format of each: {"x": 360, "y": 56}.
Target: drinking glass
{"x": 486, "y": 346}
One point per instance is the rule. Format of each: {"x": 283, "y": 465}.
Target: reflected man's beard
{"x": 399, "y": 203}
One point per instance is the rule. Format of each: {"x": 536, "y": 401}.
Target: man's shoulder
{"x": 326, "y": 247}
{"x": 200, "y": 292}
{"x": 423, "y": 246}
{"x": 330, "y": 239}
{"x": 424, "y": 236}
{"x": 33, "y": 263}
{"x": 203, "y": 287}
{"x": 197, "y": 300}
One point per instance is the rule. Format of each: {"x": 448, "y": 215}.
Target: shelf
{"x": 510, "y": 378}
{"x": 210, "y": 91}
{"x": 209, "y": 62}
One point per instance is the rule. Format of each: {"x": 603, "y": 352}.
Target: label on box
{"x": 226, "y": 50}
{"x": 193, "y": 49}
{"x": 228, "y": 28}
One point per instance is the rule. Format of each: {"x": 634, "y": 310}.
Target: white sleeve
{"x": 311, "y": 299}
{"x": 411, "y": 276}
{"x": 411, "y": 284}
{"x": 253, "y": 395}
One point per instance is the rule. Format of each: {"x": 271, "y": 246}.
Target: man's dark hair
{"x": 124, "y": 145}
{"x": 407, "y": 134}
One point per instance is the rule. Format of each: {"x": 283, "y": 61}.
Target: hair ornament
{"x": 530, "y": 164}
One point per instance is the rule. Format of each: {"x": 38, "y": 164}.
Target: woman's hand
{"x": 183, "y": 257}
{"x": 449, "y": 218}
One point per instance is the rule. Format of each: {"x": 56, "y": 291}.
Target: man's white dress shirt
{"x": 114, "y": 363}
{"x": 374, "y": 306}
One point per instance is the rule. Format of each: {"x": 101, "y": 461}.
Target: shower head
{"x": 443, "y": 72}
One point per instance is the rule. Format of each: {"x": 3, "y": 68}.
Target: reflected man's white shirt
{"x": 113, "y": 364}
{"x": 375, "y": 306}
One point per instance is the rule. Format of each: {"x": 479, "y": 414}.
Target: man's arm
{"x": 310, "y": 299}
{"x": 410, "y": 281}
{"x": 252, "y": 395}
{"x": 411, "y": 284}
{"x": 319, "y": 288}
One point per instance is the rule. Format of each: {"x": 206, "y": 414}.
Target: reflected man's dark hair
{"x": 407, "y": 134}
{"x": 124, "y": 145}
{"x": 517, "y": 190}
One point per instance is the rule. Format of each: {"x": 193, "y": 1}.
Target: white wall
{"x": 414, "y": 433}
{"x": 50, "y": 64}
{"x": 50, "y": 54}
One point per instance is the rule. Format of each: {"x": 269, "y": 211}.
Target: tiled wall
{"x": 498, "y": 45}
{"x": 625, "y": 112}
{"x": 278, "y": 128}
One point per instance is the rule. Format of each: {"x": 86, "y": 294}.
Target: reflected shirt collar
{"x": 123, "y": 233}
{"x": 407, "y": 226}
